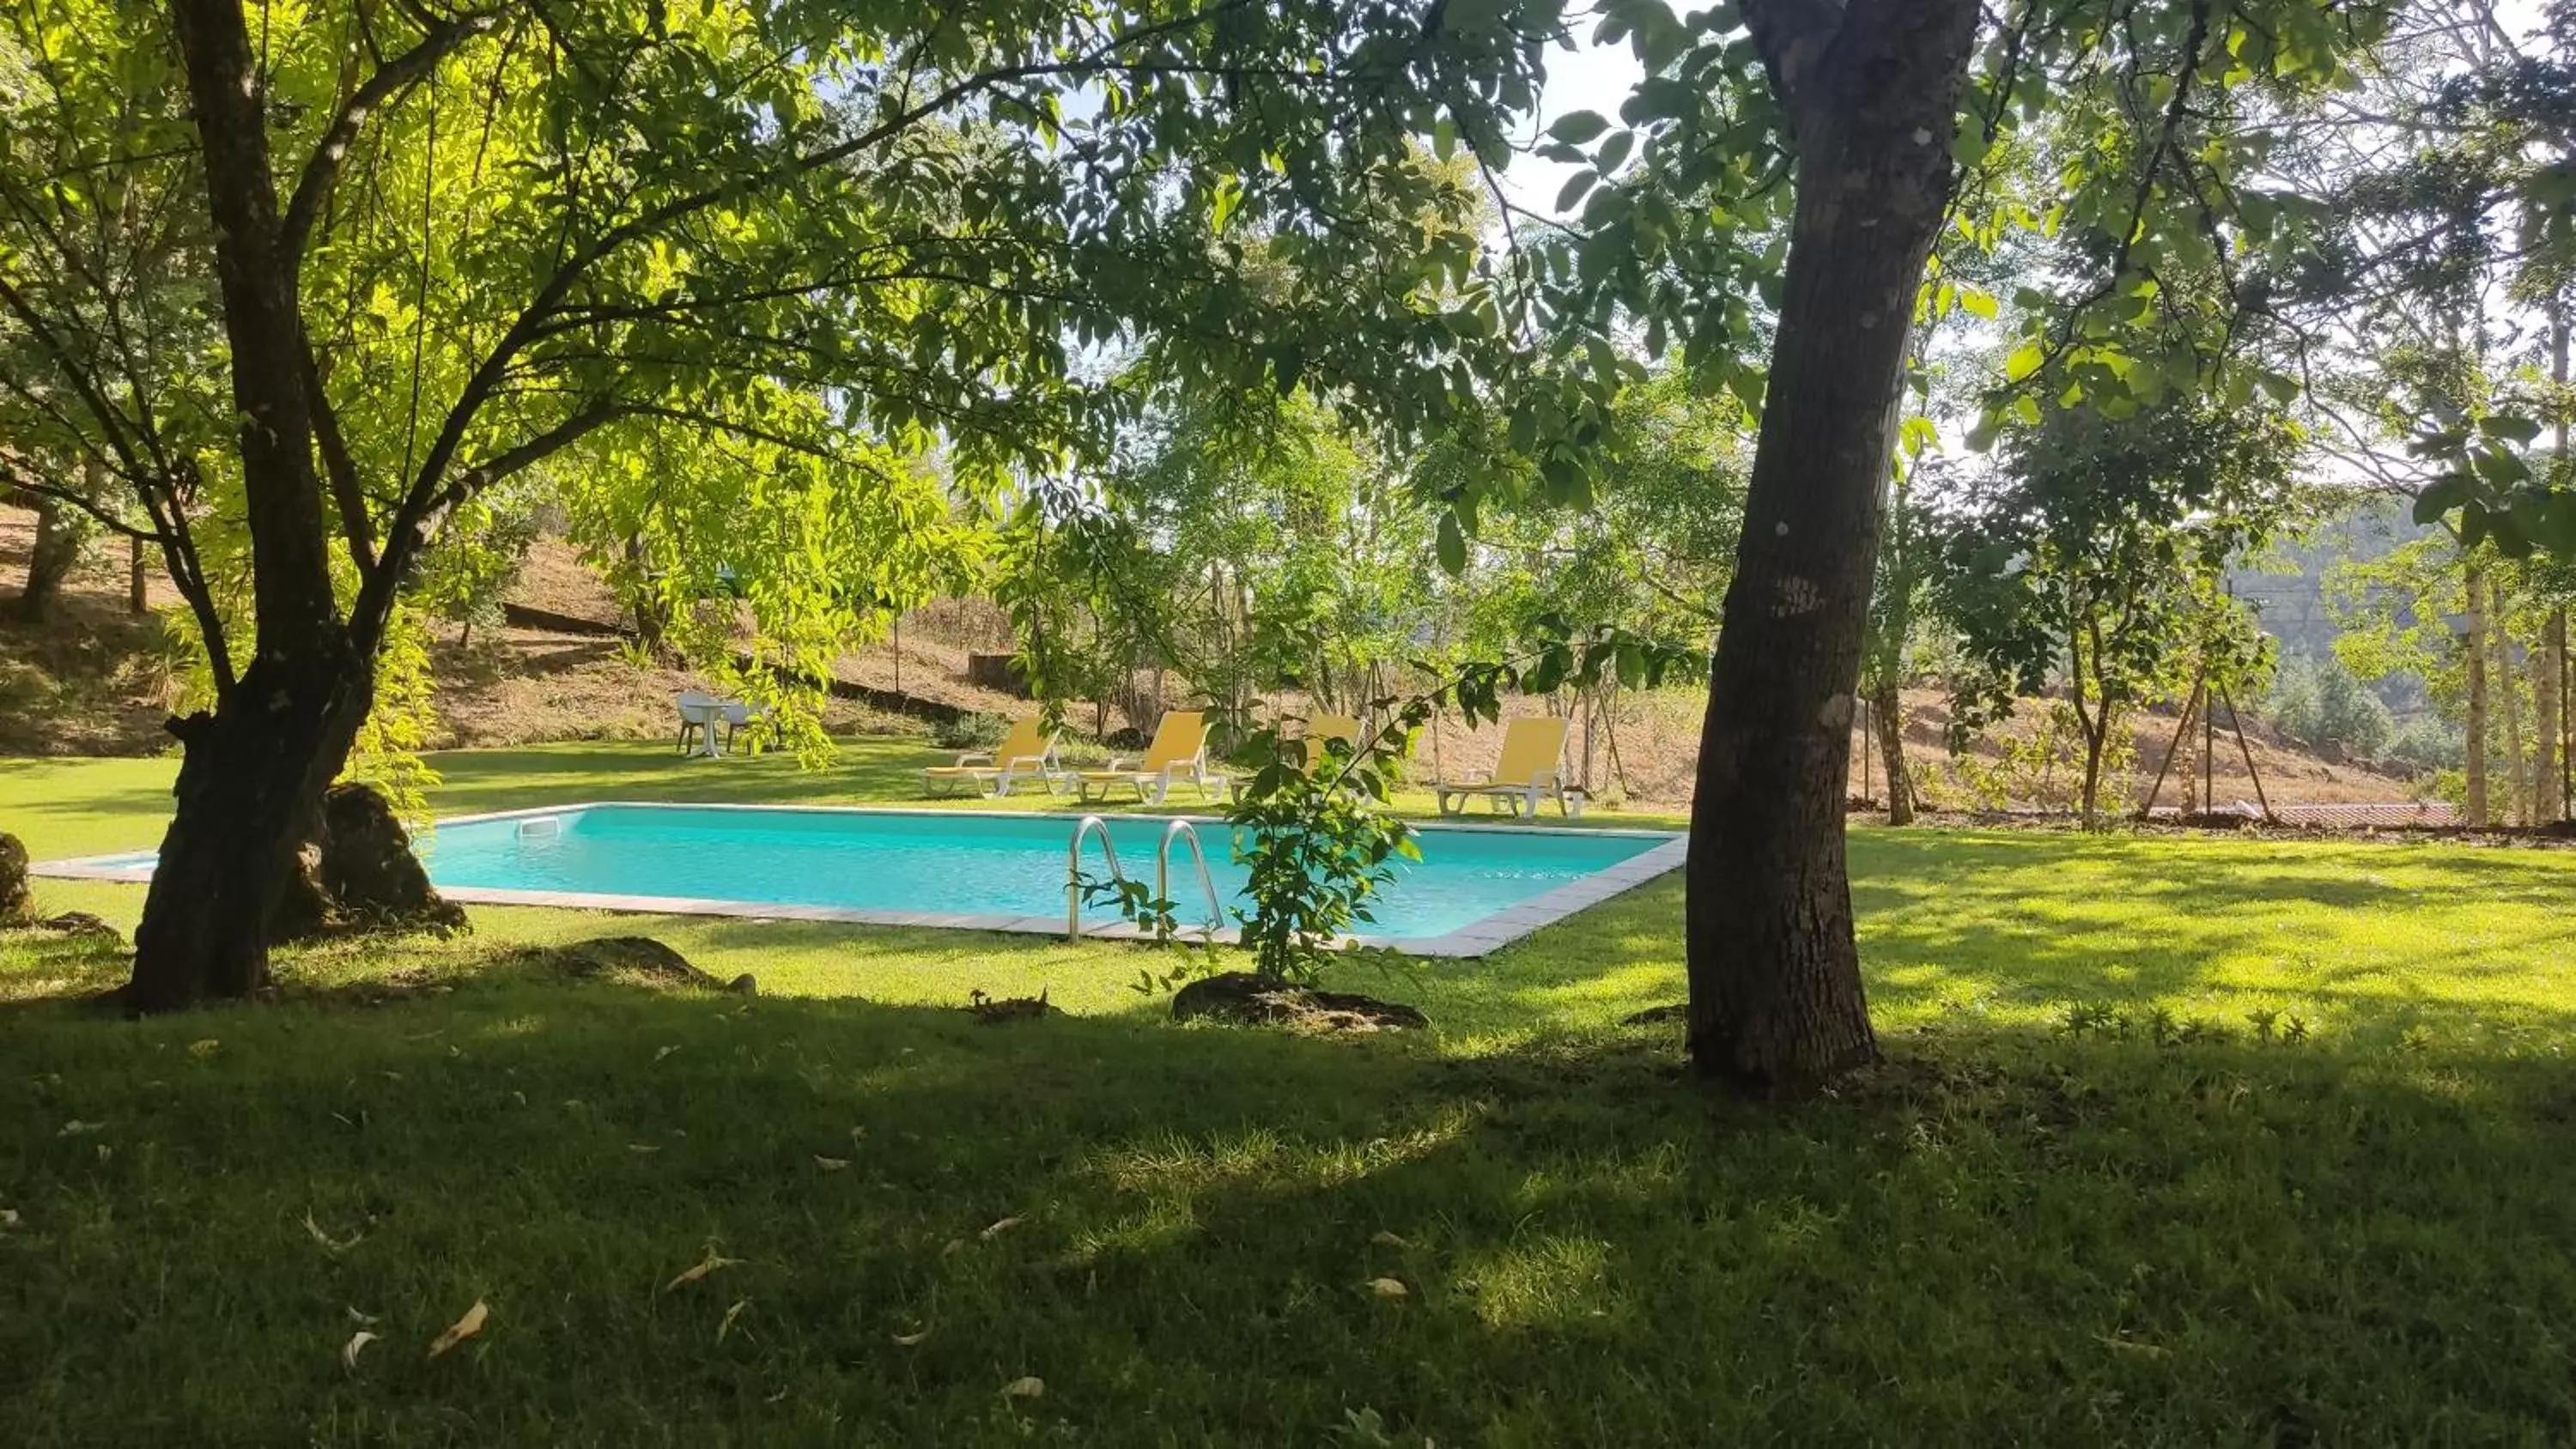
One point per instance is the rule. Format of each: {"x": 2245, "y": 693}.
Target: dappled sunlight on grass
{"x": 1136, "y": 1213}
{"x": 1541, "y": 1281}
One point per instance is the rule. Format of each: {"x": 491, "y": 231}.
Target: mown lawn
{"x": 2184, "y": 1141}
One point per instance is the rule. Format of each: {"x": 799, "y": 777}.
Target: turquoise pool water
{"x": 965, "y": 863}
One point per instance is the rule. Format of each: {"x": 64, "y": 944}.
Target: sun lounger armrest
{"x": 971, "y": 756}
{"x": 1120, "y": 762}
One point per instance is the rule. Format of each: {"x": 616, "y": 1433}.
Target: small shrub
{"x": 975, "y": 731}
{"x": 1318, "y": 846}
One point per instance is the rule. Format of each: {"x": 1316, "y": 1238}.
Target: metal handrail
{"x": 1183, "y": 830}
{"x": 1073, "y": 871}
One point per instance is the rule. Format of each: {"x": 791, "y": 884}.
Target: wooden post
{"x": 2237, "y": 723}
{"x": 2182, "y": 732}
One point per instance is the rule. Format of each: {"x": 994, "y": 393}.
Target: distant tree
{"x": 61, "y": 530}
{"x": 2096, "y": 552}
{"x": 2320, "y": 703}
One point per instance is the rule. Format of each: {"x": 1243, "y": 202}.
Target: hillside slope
{"x": 97, "y": 681}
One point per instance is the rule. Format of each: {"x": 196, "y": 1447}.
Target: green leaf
{"x": 1576, "y": 127}
{"x": 2441, "y": 496}
{"x": 1614, "y": 151}
{"x": 2512, "y": 427}
{"x": 1575, "y": 186}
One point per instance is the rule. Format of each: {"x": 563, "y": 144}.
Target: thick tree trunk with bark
{"x": 1887, "y": 712}
{"x": 1775, "y": 988}
{"x": 249, "y": 792}
{"x": 138, "y": 581}
{"x": 50, "y": 561}
{"x": 251, "y": 781}
{"x": 2476, "y": 646}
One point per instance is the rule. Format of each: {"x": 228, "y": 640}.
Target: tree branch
{"x": 402, "y": 546}
{"x": 322, "y": 168}
{"x": 342, "y": 470}
{"x": 22, "y": 482}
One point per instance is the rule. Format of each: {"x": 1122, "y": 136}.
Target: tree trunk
{"x": 2553, "y": 671}
{"x": 1775, "y": 989}
{"x": 251, "y": 779}
{"x": 249, "y": 788}
{"x": 1887, "y": 711}
{"x": 2550, "y": 664}
{"x": 2517, "y": 779}
{"x": 652, "y": 616}
{"x": 2542, "y": 665}
{"x": 138, "y": 583}
{"x": 57, "y": 549}
{"x": 2097, "y": 730}
{"x": 2476, "y": 646}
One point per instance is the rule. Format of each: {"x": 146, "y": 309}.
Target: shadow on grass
{"x": 1182, "y": 1232}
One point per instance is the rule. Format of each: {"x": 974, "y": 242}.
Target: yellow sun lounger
{"x": 1026, "y": 753}
{"x": 1322, "y": 727}
{"x": 1179, "y": 752}
{"x": 1526, "y": 770}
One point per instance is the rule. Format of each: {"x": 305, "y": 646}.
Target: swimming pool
{"x": 1476, "y": 887}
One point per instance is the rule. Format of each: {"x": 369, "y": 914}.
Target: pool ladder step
{"x": 1178, "y": 830}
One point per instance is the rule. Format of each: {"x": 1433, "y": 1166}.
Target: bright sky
{"x": 1589, "y": 78}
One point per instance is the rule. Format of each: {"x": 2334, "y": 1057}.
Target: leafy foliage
{"x": 1313, "y": 830}
{"x": 2321, "y": 703}
{"x": 2102, "y": 551}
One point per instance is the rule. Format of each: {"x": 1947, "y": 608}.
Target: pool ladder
{"x": 1178, "y": 830}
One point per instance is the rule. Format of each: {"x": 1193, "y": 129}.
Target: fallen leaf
{"x": 2142, "y": 1350}
{"x": 205, "y": 1048}
{"x": 8, "y": 1217}
{"x": 1389, "y": 1240}
{"x": 955, "y": 1245}
{"x": 1388, "y": 1288}
{"x": 664, "y": 1052}
{"x": 643, "y": 1147}
{"x": 708, "y": 1264}
{"x": 730, "y": 1315}
{"x": 856, "y": 1133}
{"x": 356, "y": 1345}
{"x": 462, "y": 1329}
{"x": 907, "y": 1340}
{"x": 830, "y": 1164}
{"x": 329, "y": 1243}
{"x": 105, "y": 1152}
{"x": 519, "y": 1097}
{"x": 1004, "y": 1226}
{"x": 1026, "y": 1388}
{"x": 78, "y": 1128}
{"x": 361, "y": 1319}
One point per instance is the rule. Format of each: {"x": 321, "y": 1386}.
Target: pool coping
{"x": 1479, "y": 937}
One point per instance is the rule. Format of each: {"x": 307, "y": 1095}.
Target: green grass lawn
{"x": 2090, "y": 1201}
